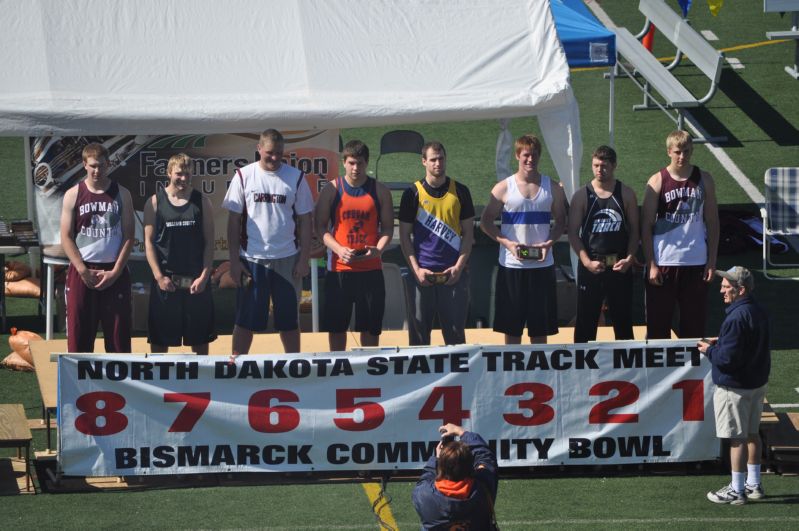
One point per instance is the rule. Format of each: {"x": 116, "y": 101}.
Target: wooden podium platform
{"x": 317, "y": 341}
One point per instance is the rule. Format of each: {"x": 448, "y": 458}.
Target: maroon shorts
{"x": 86, "y": 308}
{"x": 683, "y": 287}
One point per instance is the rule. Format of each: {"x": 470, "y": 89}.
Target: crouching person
{"x": 459, "y": 484}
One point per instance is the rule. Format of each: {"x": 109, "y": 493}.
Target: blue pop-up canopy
{"x": 586, "y": 41}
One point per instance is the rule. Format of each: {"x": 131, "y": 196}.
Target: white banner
{"x": 538, "y": 405}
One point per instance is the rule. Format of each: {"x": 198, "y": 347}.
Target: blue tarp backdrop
{"x": 586, "y": 41}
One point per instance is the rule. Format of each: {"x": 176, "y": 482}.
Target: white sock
{"x": 738, "y": 479}
{"x": 753, "y": 475}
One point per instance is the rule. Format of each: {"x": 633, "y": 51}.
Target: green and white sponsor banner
{"x": 139, "y": 164}
{"x": 538, "y": 405}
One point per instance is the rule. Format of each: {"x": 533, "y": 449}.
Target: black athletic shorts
{"x": 526, "y": 296}
{"x": 364, "y": 289}
{"x": 177, "y": 317}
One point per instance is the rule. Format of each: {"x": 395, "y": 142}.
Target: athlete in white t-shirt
{"x": 269, "y": 234}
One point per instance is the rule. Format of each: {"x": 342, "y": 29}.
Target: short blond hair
{"x": 94, "y": 150}
{"x": 181, "y": 160}
{"x": 679, "y": 139}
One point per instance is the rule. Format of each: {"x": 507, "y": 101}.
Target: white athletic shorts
{"x": 738, "y": 411}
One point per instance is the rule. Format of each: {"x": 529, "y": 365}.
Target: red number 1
{"x": 693, "y": 399}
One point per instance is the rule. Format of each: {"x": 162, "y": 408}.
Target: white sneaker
{"x": 727, "y": 495}
{"x": 755, "y": 492}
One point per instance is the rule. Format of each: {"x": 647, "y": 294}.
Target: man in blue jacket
{"x": 741, "y": 363}
{"x": 459, "y": 484}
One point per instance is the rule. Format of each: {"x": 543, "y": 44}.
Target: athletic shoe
{"x": 755, "y": 492}
{"x": 727, "y": 495}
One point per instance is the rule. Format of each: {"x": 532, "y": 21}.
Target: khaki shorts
{"x": 738, "y": 411}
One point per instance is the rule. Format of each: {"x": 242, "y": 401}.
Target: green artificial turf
{"x": 598, "y": 502}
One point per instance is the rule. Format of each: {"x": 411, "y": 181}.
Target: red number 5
{"x": 373, "y": 413}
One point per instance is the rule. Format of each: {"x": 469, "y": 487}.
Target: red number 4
{"x": 451, "y": 409}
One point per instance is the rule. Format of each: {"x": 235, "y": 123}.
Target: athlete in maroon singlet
{"x": 97, "y": 236}
{"x": 680, "y": 238}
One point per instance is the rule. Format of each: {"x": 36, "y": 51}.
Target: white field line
{"x": 751, "y": 190}
{"x": 600, "y": 14}
{"x": 784, "y": 405}
{"x": 709, "y": 35}
{"x": 735, "y": 63}
{"x": 735, "y": 172}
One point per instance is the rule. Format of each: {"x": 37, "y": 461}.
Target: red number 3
{"x": 114, "y": 421}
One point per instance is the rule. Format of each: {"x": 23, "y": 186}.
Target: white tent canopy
{"x": 77, "y": 67}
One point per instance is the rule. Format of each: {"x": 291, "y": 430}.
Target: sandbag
{"x": 16, "y": 270}
{"x": 15, "y": 362}
{"x": 19, "y": 341}
{"x": 27, "y": 287}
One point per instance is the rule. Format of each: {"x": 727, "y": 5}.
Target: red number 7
{"x": 196, "y": 404}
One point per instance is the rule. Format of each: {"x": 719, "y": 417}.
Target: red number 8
{"x": 115, "y": 421}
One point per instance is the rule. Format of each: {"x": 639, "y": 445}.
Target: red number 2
{"x": 600, "y": 413}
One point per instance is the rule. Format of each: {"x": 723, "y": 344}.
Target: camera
{"x": 608, "y": 259}
{"x": 182, "y": 281}
{"x": 529, "y": 253}
{"x": 437, "y": 278}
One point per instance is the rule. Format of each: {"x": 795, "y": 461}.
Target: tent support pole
{"x": 34, "y": 253}
{"x": 314, "y": 295}
{"x": 612, "y": 106}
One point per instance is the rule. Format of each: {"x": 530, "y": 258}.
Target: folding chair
{"x": 399, "y": 141}
{"x": 780, "y": 214}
